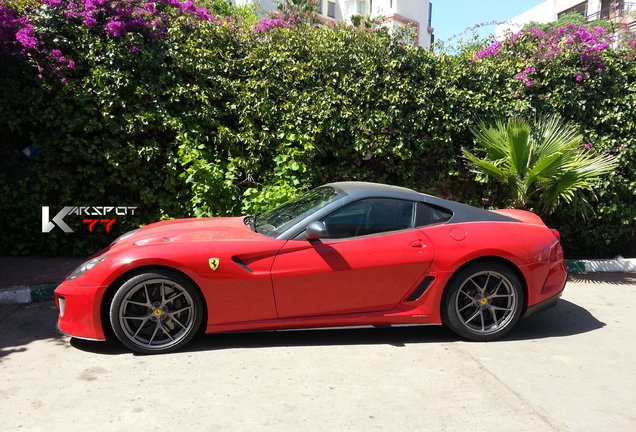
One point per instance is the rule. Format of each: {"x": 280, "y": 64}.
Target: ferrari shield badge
{"x": 214, "y": 263}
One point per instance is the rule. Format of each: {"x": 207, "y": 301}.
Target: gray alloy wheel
{"x": 483, "y": 302}
{"x": 156, "y": 312}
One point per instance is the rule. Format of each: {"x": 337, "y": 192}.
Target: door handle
{"x": 417, "y": 244}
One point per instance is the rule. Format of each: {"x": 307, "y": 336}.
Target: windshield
{"x": 277, "y": 220}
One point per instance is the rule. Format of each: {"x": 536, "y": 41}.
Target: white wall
{"x": 561, "y": 5}
{"x": 266, "y": 5}
{"x": 593, "y": 6}
{"x": 542, "y": 13}
{"x": 416, "y": 10}
{"x": 382, "y": 8}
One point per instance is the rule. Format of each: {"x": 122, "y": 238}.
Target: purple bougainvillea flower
{"x": 26, "y": 38}
{"x": 55, "y": 54}
{"x": 115, "y": 28}
{"x": 90, "y": 22}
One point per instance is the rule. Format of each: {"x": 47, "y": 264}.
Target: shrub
{"x": 202, "y": 109}
{"x": 588, "y": 76}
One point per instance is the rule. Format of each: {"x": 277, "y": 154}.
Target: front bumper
{"x": 79, "y": 310}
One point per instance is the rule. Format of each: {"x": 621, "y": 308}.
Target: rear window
{"x": 428, "y": 214}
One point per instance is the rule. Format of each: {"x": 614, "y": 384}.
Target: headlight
{"x": 125, "y": 235}
{"x": 86, "y": 267}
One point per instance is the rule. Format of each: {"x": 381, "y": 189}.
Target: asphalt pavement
{"x": 569, "y": 368}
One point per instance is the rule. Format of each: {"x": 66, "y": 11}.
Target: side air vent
{"x": 241, "y": 263}
{"x": 421, "y": 288}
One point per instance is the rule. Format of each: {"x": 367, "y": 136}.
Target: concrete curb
{"x": 44, "y": 292}
{"x": 624, "y": 265}
{"x": 27, "y": 293}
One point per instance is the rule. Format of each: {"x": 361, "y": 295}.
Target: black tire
{"x": 157, "y": 312}
{"x": 483, "y": 301}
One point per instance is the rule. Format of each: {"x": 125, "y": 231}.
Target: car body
{"x": 344, "y": 254}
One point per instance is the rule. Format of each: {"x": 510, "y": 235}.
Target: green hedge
{"x": 222, "y": 119}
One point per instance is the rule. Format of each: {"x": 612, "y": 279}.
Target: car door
{"x": 371, "y": 259}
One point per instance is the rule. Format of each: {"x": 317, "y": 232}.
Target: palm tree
{"x": 542, "y": 162}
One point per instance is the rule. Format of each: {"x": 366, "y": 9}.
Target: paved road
{"x": 568, "y": 369}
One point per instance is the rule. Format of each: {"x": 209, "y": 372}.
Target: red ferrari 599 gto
{"x": 344, "y": 254}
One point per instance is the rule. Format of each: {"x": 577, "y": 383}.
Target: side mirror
{"x": 316, "y": 230}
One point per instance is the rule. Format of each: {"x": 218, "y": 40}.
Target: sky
{"x": 454, "y": 16}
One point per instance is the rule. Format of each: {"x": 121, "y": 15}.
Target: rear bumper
{"x": 545, "y": 304}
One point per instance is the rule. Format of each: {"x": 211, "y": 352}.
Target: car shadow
{"x": 564, "y": 319}
{"x": 606, "y": 278}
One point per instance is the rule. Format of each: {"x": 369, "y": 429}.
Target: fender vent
{"x": 421, "y": 288}
{"x": 242, "y": 264}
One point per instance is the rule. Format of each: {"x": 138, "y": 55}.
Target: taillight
{"x": 556, "y": 234}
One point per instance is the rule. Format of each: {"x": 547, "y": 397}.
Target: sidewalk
{"x": 30, "y": 280}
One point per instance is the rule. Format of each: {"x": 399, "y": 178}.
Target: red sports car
{"x": 343, "y": 254}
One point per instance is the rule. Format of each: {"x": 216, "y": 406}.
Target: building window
{"x": 331, "y": 9}
{"x": 319, "y": 7}
{"x": 580, "y": 8}
{"x": 354, "y": 7}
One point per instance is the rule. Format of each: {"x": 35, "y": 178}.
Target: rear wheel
{"x": 156, "y": 312}
{"x": 484, "y": 301}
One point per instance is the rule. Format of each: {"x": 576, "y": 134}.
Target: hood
{"x": 189, "y": 230}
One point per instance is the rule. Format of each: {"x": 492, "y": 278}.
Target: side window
{"x": 428, "y": 214}
{"x": 370, "y": 216}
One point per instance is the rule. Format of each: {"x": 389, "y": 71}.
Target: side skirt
{"x": 391, "y": 318}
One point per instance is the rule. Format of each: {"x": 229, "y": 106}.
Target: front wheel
{"x": 484, "y": 301}
{"x": 156, "y": 312}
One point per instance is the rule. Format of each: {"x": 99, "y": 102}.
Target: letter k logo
{"x": 47, "y": 225}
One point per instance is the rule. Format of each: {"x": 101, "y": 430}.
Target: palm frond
{"x": 484, "y": 166}
{"x": 547, "y": 166}
{"x": 553, "y": 137}
{"x": 518, "y": 132}
{"x": 560, "y": 189}
{"x": 591, "y": 166}
{"x": 581, "y": 173}
{"x": 542, "y": 163}
{"x": 493, "y": 140}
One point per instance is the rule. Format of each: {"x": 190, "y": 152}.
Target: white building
{"x": 620, "y": 12}
{"x": 396, "y": 13}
